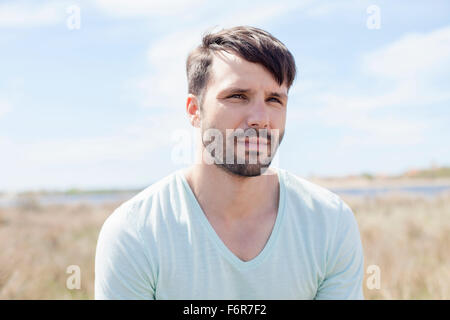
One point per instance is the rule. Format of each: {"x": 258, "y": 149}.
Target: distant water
{"x": 93, "y": 199}
{"x": 116, "y": 197}
{"x": 419, "y": 190}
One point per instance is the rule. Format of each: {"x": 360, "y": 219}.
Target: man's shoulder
{"x": 314, "y": 200}
{"x": 139, "y": 204}
{"x": 161, "y": 186}
{"x": 309, "y": 192}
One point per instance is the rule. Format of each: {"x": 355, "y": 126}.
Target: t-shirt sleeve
{"x": 345, "y": 261}
{"x": 121, "y": 265}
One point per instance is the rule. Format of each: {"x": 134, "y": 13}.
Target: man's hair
{"x": 250, "y": 43}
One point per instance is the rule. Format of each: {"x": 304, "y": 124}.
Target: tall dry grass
{"x": 407, "y": 237}
{"x": 37, "y": 244}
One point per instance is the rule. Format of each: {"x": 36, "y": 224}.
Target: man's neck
{"x": 230, "y": 198}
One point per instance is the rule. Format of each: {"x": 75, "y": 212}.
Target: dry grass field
{"x": 407, "y": 237}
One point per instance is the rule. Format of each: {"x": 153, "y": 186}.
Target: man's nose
{"x": 258, "y": 116}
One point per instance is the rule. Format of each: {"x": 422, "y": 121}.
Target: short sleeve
{"x": 121, "y": 265}
{"x": 345, "y": 261}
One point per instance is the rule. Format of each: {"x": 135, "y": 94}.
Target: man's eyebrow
{"x": 280, "y": 95}
{"x": 236, "y": 89}
{"x": 243, "y": 90}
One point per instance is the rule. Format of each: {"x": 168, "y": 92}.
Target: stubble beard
{"x": 245, "y": 169}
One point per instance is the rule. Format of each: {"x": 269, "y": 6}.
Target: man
{"x": 230, "y": 227}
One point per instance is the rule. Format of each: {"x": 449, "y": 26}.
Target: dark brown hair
{"x": 250, "y": 43}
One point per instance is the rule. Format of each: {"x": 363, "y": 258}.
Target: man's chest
{"x": 245, "y": 239}
{"x": 205, "y": 271}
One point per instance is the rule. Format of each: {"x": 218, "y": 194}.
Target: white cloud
{"x": 355, "y": 113}
{"x": 416, "y": 55}
{"x": 415, "y": 63}
{"x": 412, "y": 65}
{"x": 134, "y": 142}
{"x": 5, "y": 106}
{"x": 29, "y": 14}
{"x": 166, "y": 84}
{"x": 11, "y": 93}
{"x": 124, "y": 158}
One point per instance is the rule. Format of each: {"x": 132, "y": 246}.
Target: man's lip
{"x": 255, "y": 141}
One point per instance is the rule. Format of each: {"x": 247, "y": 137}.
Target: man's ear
{"x": 193, "y": 110}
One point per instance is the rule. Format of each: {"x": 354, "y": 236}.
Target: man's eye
{"x": 276, "y": 100}
{"x": 237, "y": 95}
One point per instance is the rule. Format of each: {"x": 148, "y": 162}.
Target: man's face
{"x": 243, "y": 99}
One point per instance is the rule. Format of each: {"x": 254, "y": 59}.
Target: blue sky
{"x": 101, "y": 106}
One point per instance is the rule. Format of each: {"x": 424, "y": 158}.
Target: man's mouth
{"x": 254, "y": 143}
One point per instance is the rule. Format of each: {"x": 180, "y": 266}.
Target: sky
{"x": 93, "y": 93}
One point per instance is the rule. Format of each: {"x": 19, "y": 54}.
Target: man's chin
{"x": 244, "y": 170}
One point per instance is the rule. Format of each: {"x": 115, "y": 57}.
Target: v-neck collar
{"x": 200, "y": 215}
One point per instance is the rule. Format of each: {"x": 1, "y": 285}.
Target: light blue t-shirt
{"x": 160, "y": 245}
